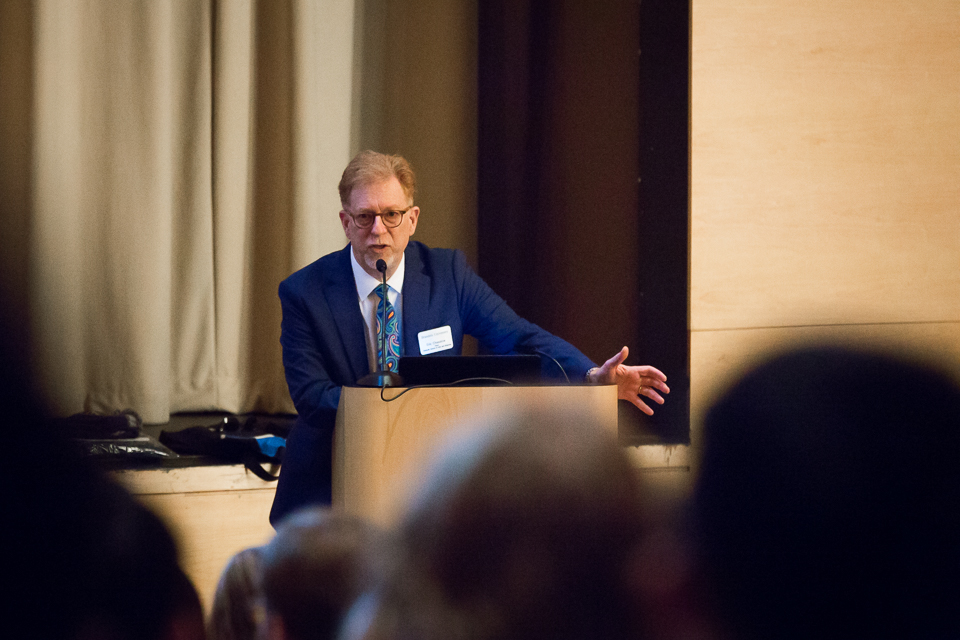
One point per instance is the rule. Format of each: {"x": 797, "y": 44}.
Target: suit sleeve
{"x": 498, "y": 328}
{"x": 314, "y": 392}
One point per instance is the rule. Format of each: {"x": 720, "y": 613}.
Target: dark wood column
{"x": 567, "y": 234}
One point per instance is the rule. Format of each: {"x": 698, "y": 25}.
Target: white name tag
{"x": 434, "y": 340}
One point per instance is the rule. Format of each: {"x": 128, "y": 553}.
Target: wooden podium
{"x": 382, "y": 450}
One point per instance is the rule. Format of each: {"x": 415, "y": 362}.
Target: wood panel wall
{"x": 825, "y": 180}
{"x": 213, "y": 512}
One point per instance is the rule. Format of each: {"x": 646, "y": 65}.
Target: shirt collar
{"x": 366, "y": 283}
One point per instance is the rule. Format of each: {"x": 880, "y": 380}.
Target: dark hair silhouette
{"x": 314, "y": 569}
{"x": 521, "y": 532}
{"x": 87, "y": 560}
{"x": 828, "y": 501}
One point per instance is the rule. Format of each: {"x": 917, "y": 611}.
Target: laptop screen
{"x": 472, "y": 370}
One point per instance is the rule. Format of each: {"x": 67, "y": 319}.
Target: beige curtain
{"x": 183, "y": 160}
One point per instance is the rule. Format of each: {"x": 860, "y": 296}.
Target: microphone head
{"x": 381, "y": 266}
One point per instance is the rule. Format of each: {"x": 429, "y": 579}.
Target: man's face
{"x": 379, "y": 241}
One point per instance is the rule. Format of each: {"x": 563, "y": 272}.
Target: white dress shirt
{"x": 366, "y": 292}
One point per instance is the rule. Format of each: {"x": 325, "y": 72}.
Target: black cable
{"x": 434, "y": 386}
{"x": 556, "y": 362}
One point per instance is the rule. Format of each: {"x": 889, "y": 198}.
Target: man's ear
{"x": 413, "y": 215}
{"x": 344, "y": 219}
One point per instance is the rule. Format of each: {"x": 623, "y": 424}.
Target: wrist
{"x": 590, "y": 375}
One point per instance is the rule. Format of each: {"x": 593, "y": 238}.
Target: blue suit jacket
{"x": 324, "y": 348}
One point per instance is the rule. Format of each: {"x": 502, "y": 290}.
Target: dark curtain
{"x": 558, "y": 193}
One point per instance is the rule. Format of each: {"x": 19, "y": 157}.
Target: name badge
{"x": 433, "y": 340}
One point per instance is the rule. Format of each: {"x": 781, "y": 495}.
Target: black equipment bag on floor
{"x": 250, "y": 445}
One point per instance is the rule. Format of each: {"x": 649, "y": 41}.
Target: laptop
{"x": 470, "y": 370}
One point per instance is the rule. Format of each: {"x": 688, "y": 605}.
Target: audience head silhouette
{"x": 90, "y": 561}
{"x": 97, "y": 564}
{"x": 237, "y": 608}
{"x": 314, "y": 568}
{"x": 828, "y": 502}
{"x": 521, "y": 531}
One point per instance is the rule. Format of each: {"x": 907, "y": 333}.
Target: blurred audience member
{"x": 186, "y": 623}
{"x": 521, "y": 531}
{"x": 85, "y": 559}
{"x": 237, "y": 610}
{"x": 314, "y": 569}
{"x": 93, "y": 562}
{"x": 828, "y": 502}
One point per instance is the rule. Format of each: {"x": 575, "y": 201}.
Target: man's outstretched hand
{"x": 632, "y": 382}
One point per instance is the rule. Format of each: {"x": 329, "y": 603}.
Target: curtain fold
{"x": 185, "y": 159}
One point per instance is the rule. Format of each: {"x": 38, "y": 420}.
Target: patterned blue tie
{"x": 391, "y": 338}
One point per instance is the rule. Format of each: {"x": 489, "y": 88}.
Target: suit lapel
{"x": 416, "y": 297}
{"x": 342, "y": 291}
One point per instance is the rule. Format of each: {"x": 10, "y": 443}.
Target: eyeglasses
{"x": 391, "y": 219}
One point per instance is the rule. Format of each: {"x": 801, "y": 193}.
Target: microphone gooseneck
{"x": 382, "y": 362}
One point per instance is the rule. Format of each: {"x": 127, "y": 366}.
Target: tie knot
{"x": 379, "y": 291}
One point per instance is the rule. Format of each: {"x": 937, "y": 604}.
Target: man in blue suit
{"x": 328, "y": 332}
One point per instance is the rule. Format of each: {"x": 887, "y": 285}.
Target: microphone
{"x": 382, "y": 378}
{"x": 382, "y": 268}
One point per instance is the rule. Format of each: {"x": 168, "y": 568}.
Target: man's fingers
{"x": 651, "y": 393}
{"x": 653, "y": 383}
{"x": 647, "y": 371}
{"x": 640, "y": 404}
